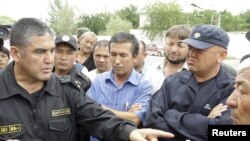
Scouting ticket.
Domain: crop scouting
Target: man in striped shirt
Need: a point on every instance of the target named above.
(123, 90)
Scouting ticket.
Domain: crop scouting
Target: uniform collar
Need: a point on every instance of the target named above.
(162, 65)
(9, 83)
(11, 87)
(133, 77)
(220, 80)
(52, 84)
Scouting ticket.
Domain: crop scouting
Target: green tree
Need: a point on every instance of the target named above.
(245, 18)
(193, 18)
(4, 20)
(229, 22)
(62, 17)
(96, 23)
(130, 14)
(116, 24)
(161, 16)
(201, 17)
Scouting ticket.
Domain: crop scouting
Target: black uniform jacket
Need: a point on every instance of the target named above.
(181, 106)
(59, 110)
(78, 79)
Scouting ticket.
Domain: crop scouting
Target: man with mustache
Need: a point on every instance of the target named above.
(175, 56)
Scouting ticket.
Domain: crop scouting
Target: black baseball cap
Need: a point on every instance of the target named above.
(248, 35)
(205, 36)
(67, 39)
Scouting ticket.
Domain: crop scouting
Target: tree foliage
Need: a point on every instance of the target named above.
(201, 17)
(4, 20)
(62, 17)
(96, 23)
(245, 18)
(161, 16)
(130, 14)
(116, 24)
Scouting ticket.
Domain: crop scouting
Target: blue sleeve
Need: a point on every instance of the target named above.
(142, 97)
(91, 91)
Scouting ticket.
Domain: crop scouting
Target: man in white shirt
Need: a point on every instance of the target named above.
(175, 56)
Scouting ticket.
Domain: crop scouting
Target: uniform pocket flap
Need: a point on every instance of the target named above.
(61, 124)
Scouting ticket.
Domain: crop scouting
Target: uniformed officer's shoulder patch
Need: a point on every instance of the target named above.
(64, 79)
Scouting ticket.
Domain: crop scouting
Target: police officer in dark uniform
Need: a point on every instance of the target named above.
(189, 101)
(65, 68)
(37, 106)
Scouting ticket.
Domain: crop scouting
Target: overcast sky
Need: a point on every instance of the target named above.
(38, 8)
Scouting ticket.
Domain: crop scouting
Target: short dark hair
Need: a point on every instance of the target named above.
(124, 37)
(24, 29)
(101, 43)
(5, 51)
(143, 45)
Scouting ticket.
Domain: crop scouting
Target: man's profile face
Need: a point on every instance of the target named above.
(203, 60)
(239, 100)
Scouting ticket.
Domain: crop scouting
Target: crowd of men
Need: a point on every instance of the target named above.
(63, 88)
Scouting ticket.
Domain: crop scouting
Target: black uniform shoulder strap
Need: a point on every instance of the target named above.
(83, 76)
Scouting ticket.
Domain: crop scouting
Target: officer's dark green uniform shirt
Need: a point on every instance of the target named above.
(58, 111)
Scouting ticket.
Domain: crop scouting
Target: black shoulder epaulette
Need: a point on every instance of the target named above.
(83, 81)
(83, 76)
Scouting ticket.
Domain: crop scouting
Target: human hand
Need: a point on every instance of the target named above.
(105, 107)
(148, 134)
(134, 108)
(12, 140)
(217, 110)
